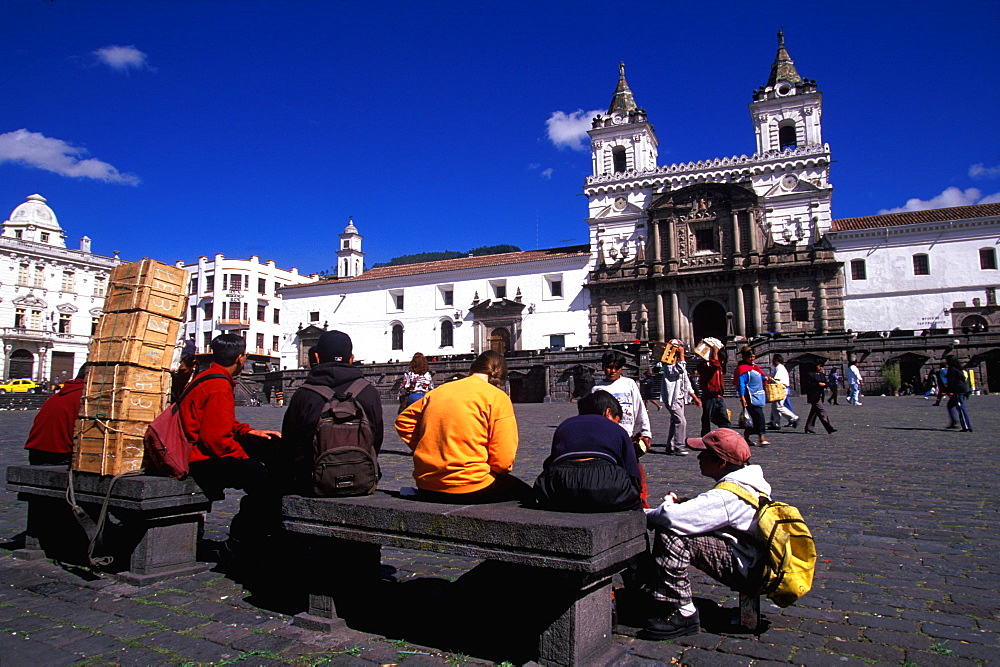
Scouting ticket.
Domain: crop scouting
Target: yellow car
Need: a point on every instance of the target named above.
(20, 387)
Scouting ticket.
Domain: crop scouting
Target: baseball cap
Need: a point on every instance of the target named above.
(725, 443)
(334, 346)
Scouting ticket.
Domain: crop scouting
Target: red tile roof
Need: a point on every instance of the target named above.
(457, 264)
(916, 217)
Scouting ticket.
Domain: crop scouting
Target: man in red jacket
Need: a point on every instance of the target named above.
(218, 458)
(50, 441)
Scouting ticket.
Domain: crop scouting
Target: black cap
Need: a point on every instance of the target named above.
(334, 346)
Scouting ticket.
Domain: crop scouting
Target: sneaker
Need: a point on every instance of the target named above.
(857, 404)
(679, 452)
(668, 627)
(794, 423)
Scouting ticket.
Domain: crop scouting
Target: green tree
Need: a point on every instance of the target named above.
(892, 377)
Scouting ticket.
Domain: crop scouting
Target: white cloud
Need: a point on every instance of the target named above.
(122, 58)
(951, 197)
(546, 174)
(982, 171)
(568, 130)
(36, 150)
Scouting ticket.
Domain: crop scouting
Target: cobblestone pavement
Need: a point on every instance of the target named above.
(905, 516)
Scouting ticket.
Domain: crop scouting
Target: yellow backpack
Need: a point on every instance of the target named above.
(789, 549)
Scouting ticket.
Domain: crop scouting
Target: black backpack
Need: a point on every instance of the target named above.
(344, 460)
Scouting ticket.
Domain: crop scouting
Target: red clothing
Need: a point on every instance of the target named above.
(52, 430)
(744, 367)
(710, 376)
(209, 416)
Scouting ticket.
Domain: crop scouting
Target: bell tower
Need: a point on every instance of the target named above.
(622, 140)
(350, 259)
(787, 110)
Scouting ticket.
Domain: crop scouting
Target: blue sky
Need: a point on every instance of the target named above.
(177, 129)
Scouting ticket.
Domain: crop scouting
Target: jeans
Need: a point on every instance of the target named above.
(958, 412)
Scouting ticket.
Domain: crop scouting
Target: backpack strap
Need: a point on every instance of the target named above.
(327, 392)
(742, 493)
(194, 383)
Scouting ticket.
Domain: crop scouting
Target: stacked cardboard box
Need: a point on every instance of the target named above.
(128, 383)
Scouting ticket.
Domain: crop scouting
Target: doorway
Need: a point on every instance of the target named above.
(62, 367)
(708, 319)
(500, 340)
(22, 364)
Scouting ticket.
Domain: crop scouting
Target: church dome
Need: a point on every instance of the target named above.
(36, 212)
(350, 228)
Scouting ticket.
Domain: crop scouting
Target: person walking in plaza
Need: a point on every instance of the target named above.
(958, 388)
(854, 384)
(647, 387)
(712, 384)
(750, 384)
(675, 392)
(815, 386)
(834, 386)
(417, 381)
(781, 408)
(714, 532)
(942, 382)
(464, 438)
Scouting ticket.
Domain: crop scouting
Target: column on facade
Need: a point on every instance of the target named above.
(548, 385)
(821, 308)
(751, 240)
(741, 318)
(655, 240)
(755, 307)
(43, 363)
(6, 359)
(602, 306)
(675, 314)
(736, 232)
(660, 319)
(773, 307)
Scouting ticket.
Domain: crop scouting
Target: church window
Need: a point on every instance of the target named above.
(624, 321)
(921, 265)
(314, 316)
(396, 300)
(858, 270)
(447, 333)
(800, 310)
(499, 289)
(554, 284)
(347, 244)
(557, 342)
(786, 137)
(448, 297)
(618, 156)
(705, 239)
(397, 336)
(987, 258)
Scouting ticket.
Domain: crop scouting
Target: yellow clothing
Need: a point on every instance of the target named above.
(460, 432)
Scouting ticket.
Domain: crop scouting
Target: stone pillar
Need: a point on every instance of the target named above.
(752, 240)
(736, 233)
(821, 314)
(741, 318)
(548, 385)
(6, 359)
(675, 315)
(654, 238)
(602, 307)
(773, 306)
(755, 305)
(660, 317)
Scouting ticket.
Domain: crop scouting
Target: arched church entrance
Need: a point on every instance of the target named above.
(500, 340)
(22, 364)
(708, 319)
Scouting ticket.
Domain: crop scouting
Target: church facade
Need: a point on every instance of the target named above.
(725, 247)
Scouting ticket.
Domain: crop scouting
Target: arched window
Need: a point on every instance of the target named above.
(447, 334)
(397, 336)
(786, 137)
(618, 155)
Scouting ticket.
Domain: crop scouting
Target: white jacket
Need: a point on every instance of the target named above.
(719, 512)
(635, 420)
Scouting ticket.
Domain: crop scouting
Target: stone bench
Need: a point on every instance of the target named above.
(575, 554)
(157, 520)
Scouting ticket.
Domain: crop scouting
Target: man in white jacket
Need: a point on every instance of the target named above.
(714, 531)
(784, 407)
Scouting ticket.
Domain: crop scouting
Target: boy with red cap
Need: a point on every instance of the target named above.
(714, 531)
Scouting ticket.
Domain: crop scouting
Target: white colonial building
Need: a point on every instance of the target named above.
(911, 270)
(50, 295)
(526, 300)
(240, 296)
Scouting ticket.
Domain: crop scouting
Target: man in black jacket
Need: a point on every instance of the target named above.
(814, 385)
(331, 361)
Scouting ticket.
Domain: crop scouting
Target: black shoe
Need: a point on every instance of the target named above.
(774, 427)
(793, 424)
(831, 430)
(809, 430)
(671, 626)
(966, 430)
(951, 426)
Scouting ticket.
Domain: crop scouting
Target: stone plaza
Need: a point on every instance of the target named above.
(904, 513)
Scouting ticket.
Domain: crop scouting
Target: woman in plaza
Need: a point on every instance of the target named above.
(464, 438)
(417, 381)
(750, 382)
